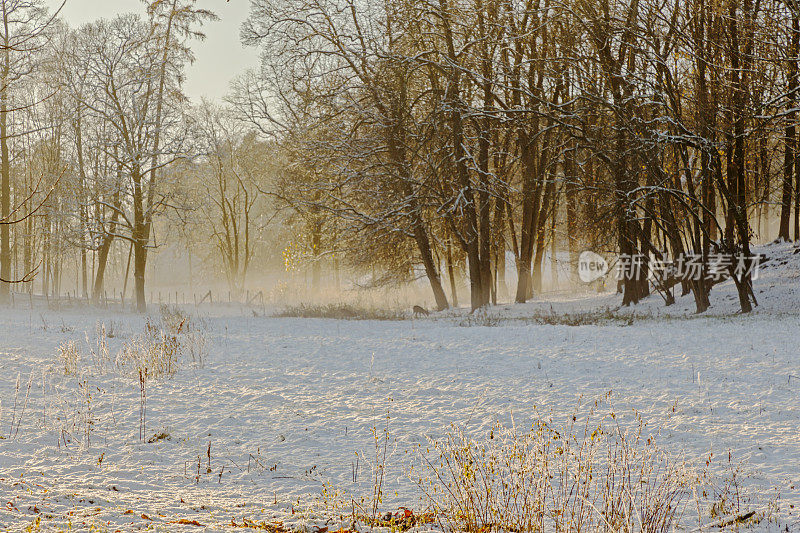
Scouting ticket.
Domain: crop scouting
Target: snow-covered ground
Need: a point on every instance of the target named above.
(286, 404)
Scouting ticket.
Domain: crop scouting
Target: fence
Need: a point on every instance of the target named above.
(115, 300)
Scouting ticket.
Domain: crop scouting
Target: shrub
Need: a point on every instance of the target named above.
(592, 478)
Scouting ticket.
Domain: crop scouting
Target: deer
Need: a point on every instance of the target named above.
(420, 311)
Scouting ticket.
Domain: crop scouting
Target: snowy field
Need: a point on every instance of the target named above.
(286, 404)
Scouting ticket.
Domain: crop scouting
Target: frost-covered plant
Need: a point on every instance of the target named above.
(173, 318)
(16, 422)
(589, 476)
(142, 402)
(190, 333)
(195, 344)
(68, 357)
(85, 409)
(729, 502)
(99, 347)
(155, 352)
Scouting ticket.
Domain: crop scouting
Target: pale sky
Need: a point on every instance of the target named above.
(218, 59)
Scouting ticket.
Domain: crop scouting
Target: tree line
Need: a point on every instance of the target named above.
(405, 138)
(104, 158)
(652, 128)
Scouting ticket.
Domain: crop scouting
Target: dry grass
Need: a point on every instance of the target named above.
(190, 332)
(174, 319)
(164, 346)
(594, 474)
(99, 349)
(588, 476)
(341, 311)
(156, 353)
(492, 318)
(160, 350)
(68, 356)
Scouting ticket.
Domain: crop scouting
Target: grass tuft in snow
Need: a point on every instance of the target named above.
(173, 318)
(488, 317)
(154, 353)
(341, 311)
(68, 356)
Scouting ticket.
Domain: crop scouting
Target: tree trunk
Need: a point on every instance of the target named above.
(484, 144)
(102, 260)
(140, 234)
(789, 136)
(316, 257)
(139, 264)
(452, 275)
(5, 176)
(571, 193)
(553, 251)
(501, 289)
(424, 246)
(531, 197)
(737, 170)
(471, 232)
